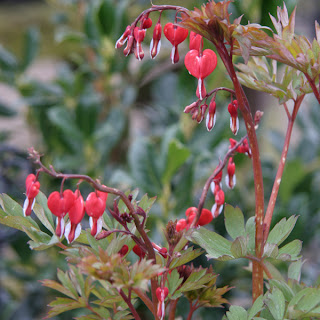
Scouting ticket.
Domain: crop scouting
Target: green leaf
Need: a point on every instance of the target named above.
(8, 61)
(284, 287)
(234, 221)
(60, 305)
(16, 222)
(173, 281)
(276, 303)
(239, 247)
(30, 50)
(42, 201)
(177, 156)
(290, 251)
(40, 213)
(106, 17)
(44, 244)
(271, 250)
(146, 203)
(251, 231)
(256, 307)
(294, 271)
(67, 283)
(185, 257)
(237, 313)
(69, 36)
(282, 230)
(215, 245)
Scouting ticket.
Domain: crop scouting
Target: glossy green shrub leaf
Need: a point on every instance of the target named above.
(31, 46)
(143, 166)
(216, 246)
(8, 61)
(234, 221)
(177, 156)
(106, 17)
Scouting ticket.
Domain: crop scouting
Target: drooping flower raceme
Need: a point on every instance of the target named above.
(32, 190)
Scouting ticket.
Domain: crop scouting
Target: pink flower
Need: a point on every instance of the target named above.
(200, 65)
(219, 202)
(175, 35)
(211, 115)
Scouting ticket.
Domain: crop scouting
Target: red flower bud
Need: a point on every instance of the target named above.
(122, 40)
(32, 190)
(146, 22)
(211, 115)
(181, 224)
(234, 120)
(231, 177)
(219, 202)
(155, 43)
(124, 250)
(196, 41)
(161, 293)
(138, 251)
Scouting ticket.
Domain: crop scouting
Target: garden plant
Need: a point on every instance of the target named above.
(114, 264)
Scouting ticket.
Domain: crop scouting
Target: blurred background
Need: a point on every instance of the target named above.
(65, 90)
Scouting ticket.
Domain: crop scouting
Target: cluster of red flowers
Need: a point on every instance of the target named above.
(200, 63)
(61, 203)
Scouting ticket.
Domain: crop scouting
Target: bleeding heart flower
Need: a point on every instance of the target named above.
(234, 120)
(196, 41)
(155, 43)
(216, 183)
(76, 214)
(231, 177)
(95, 206)
(211, 115)
(124, 250)
(146, 22)
(139, 35)
(163, 251)
(219, 202)
(181, 224)
(205, 217)
(161, 294)
(122, 40)
(59, 205)
(32, 190)
(175, 35)
(138, 251)
(200, 65)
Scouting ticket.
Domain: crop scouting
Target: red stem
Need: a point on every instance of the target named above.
(130, 305)
(276, 185)
(243, 104)
(313, 87)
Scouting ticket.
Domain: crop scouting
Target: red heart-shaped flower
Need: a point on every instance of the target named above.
(32, 186)
(95, 205)
(76, 212)
(175, 34)
(60, 205)
(162, 293)
(200, 66)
